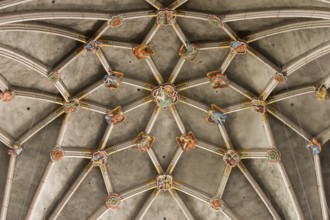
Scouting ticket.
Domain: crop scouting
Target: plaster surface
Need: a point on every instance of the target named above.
(198, 168)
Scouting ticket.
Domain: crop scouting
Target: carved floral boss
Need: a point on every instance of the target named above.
(7, 95)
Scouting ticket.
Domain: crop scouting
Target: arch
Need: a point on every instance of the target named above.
(287, 28)
(306, 58)
(45, 29)
(24, 58)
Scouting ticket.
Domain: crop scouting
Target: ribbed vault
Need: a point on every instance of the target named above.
(164, 110)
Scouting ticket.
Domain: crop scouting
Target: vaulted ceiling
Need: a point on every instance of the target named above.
(139, 109)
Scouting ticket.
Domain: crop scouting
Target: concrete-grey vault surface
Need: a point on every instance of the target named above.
(164, 110)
